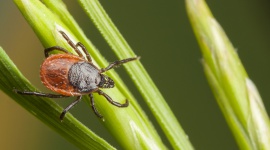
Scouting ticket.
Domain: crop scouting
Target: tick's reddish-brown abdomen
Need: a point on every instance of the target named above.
(54, 73)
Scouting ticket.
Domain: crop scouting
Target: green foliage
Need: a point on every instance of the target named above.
(235, 93)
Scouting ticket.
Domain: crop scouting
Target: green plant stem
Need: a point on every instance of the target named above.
(140, 77)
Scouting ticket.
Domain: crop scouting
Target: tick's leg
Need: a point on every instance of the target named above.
(48, 50)
(94, 107)
(69, 107)
(40, 94)
(111, 101)
(79, 44)
(71, 43)
(118, 63)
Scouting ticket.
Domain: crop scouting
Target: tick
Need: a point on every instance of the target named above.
(72, 75)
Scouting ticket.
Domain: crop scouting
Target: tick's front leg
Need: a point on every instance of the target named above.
(118, 63)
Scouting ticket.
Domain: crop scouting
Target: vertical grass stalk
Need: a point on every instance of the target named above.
(235, 93)
(140, 77)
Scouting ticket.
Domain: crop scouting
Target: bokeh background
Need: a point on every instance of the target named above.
(160, 32)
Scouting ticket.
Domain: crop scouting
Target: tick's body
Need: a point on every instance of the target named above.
(69, 75)
(72, 75)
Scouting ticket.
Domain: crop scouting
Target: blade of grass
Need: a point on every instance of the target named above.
(235, 93)
(129, 126)
(59, 8)
(45, 109)
(147, 88)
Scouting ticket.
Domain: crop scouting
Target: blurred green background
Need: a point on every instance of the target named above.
(160, 32)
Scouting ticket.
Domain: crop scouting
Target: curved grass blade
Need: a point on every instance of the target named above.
(45, 109)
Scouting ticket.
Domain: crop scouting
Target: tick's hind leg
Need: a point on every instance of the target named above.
(118, 63)
(94, 107)
(39, 94)
(111, 101)
(69, 107)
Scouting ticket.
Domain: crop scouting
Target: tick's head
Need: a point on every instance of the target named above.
(105, 82)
